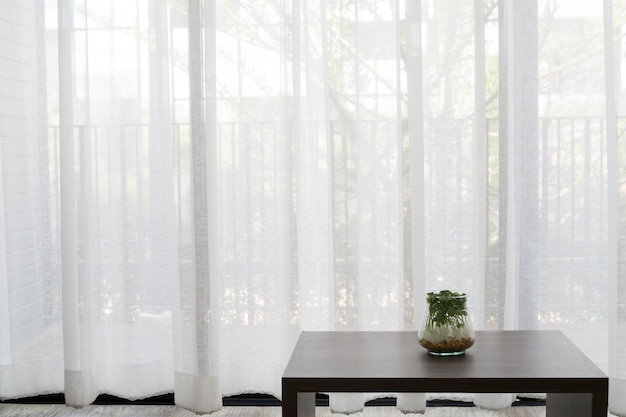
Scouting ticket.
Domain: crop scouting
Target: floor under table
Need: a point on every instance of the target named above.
(59, 410)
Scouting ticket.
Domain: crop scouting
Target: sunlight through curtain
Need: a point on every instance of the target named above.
(185, 185)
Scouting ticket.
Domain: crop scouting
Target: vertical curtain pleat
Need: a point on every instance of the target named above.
(518, 147)
(617, 359)
(198, 382)
(509, 139)
(480, 172)
(313, 169)
(525, 114)
(480, 167)
(5, 329)
(415, 248)
(80, 389)
(164, 177)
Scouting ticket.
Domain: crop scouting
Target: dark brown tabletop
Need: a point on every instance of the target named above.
(499, 361)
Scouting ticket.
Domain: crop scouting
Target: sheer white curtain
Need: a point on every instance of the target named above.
(185, 185)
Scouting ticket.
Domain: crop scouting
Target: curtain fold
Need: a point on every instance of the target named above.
(197, 383)
(75, 210)
(185, 185)
(616, 328)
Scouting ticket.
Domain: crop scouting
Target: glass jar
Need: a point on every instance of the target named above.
(447, 329)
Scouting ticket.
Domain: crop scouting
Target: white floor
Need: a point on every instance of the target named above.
(22, 410)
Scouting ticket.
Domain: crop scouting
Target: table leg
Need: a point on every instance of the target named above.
(306, 404)
(298, 404)
(576, 405)
(600, 404)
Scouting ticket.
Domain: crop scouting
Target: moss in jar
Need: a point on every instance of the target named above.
(446, 328)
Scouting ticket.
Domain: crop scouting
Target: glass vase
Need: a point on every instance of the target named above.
(447, 328)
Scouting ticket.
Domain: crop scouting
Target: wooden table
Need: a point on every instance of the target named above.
(394, 362)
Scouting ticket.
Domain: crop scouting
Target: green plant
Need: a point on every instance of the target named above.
(446, 308)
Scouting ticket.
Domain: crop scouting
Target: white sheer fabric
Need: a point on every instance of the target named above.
(185, 185)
